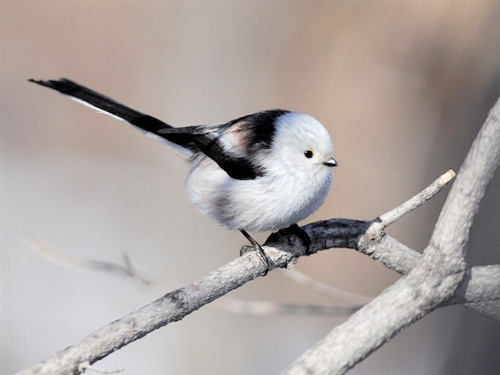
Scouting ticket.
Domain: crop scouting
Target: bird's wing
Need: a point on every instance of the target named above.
(149, 125)
(212, 140)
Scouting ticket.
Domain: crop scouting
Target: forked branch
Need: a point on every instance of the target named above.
(436, 278)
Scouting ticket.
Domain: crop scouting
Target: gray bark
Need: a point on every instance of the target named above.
(435, 279)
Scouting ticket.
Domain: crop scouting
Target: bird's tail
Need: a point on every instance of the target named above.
(148, 124)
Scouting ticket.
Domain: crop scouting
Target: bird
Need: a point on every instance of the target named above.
(265, 171)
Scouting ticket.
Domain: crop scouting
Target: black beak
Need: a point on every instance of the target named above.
(331, 163)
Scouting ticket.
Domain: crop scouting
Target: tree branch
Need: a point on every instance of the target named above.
(418, 200)
(282, 247)
(430, 283)
(261, 308)
(426, 285)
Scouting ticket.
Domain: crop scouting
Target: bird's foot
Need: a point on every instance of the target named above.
(258, 249)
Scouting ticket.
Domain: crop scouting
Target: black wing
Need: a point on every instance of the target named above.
(237, 145)
(210, 143)
(144, 122)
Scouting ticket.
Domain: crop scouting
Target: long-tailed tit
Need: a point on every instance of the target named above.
(261, 172)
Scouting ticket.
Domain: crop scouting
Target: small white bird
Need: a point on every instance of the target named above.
(261, 172)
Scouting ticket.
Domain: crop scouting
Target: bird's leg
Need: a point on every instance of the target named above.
(258, 249)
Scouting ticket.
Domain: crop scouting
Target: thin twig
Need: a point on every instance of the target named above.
(261, 308)
(419, 199)
(323, 288)
(86, 366)
(229, 304)
(67, 260)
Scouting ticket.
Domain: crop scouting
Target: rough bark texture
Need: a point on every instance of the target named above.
(437, 278)
(433, 281)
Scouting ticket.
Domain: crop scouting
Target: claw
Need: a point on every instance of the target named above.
(258, 249)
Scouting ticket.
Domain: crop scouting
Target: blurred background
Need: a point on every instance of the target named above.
(403, 88)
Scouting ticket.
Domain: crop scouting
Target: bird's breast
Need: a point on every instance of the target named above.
(269, 202)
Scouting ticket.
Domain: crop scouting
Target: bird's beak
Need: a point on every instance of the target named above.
(331, 163)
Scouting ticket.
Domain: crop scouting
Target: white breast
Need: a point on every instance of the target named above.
(258, 205)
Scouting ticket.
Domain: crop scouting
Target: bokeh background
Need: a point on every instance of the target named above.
(402, 87)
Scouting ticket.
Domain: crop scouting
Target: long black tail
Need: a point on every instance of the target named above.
(103, 103)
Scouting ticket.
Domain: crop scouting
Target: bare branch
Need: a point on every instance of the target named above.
(450, 236)
(177, 304)
(229, 304)
(325, 289)
(86, 366)
(419, 199)
(67, 260)
(431, 280)
(480, 291)
(268, 308)
(434, 278)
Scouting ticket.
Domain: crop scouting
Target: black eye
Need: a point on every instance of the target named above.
(309, 154)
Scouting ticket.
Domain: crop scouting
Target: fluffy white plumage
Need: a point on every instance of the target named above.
(292, 188)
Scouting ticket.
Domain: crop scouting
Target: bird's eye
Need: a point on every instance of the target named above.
(308, 154)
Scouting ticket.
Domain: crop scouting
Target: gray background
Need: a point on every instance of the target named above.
(401, 87)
